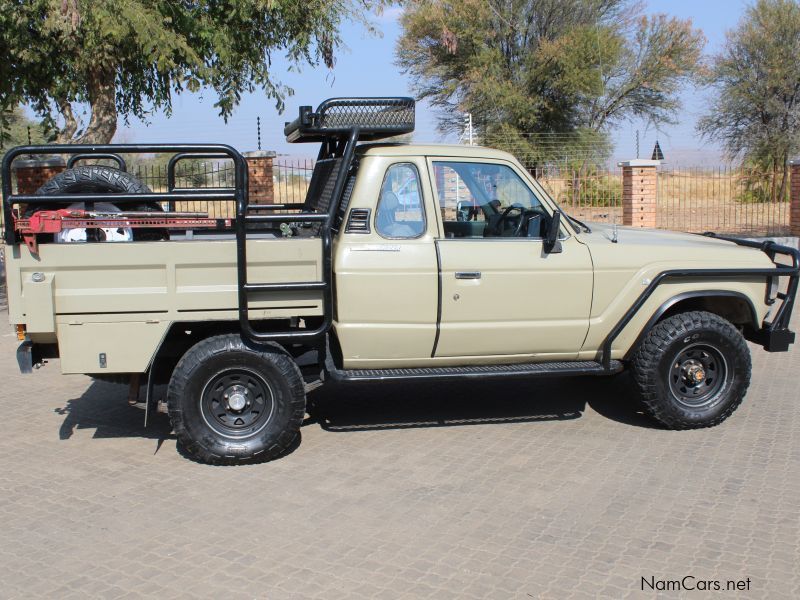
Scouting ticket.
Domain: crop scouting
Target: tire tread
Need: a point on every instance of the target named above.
(651, 350)
(214, 346)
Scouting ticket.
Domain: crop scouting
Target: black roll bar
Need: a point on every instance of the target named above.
(326, 285)
(104, 151)
(121, 164)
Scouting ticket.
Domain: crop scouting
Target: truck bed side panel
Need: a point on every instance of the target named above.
(141, 288)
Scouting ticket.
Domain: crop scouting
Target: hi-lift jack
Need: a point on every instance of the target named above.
(55, 221)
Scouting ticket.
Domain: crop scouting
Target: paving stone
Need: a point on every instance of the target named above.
(544, 489)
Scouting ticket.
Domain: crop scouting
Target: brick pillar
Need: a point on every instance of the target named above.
(639, 192)
(31, 174)
(259, 172)
(794, 206)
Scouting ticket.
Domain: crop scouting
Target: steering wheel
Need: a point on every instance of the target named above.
(505, 216)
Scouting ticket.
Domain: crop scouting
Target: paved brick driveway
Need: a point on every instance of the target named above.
(553, 490)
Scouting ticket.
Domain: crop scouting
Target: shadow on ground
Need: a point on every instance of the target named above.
(364, 407)
(104, 408)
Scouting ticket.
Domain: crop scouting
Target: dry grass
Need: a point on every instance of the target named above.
(688, 200)
(223, 209)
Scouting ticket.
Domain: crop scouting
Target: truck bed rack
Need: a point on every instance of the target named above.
(338, 123)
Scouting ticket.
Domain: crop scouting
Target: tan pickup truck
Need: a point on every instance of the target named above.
(404, 262)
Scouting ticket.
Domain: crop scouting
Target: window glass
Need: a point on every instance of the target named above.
(486, 200)
(400, 213)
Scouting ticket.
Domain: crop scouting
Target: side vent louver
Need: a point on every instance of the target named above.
(358, 221)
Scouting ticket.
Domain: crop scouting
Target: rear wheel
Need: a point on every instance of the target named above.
(692, 370)
(231, 402)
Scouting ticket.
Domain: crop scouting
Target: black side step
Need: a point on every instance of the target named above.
(548, 369)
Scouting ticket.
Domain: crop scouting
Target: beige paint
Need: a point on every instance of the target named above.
(386, 289)
(120, 299)
(510, 309)
(124, 285)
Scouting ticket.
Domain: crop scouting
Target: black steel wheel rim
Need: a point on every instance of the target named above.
(697, 376)
(237, 402)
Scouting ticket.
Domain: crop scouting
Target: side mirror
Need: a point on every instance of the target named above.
(551, 243)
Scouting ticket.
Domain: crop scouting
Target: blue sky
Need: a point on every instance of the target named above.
(366, 68)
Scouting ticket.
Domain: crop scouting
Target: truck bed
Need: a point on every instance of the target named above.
(100, 294)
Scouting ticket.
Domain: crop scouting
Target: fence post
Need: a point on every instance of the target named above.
(639, 192)
(259, 172)
(33, 173)
(794, 198)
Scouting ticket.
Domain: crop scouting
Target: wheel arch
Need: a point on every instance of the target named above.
(731, 305)
(182, 335)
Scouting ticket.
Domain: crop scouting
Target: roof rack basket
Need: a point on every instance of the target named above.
(374, 118)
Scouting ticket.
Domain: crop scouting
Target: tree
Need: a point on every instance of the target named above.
(128, 57)
(755, 110)
(18, 126)
(569, 67)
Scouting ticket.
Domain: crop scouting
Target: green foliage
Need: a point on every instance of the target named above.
(759, 182)
(755, 112)
(594, 187)
(16, 129)
(546, 66)
(131, 56)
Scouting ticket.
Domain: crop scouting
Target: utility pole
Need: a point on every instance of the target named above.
(468, 127)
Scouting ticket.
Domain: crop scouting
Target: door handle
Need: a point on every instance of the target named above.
(468, 274)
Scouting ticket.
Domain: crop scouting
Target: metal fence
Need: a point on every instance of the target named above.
(587, 193)
(192, 173)
(291, 179)
(731, 199)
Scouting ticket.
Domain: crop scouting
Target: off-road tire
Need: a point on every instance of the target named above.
(93, 178)
(101, 179)
(656, 372)
(197, 379)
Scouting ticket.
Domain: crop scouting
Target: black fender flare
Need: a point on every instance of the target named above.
(665, 306)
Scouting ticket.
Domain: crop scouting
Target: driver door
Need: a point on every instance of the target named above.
(501, 293)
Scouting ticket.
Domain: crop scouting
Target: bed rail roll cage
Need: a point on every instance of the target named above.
(338, 123)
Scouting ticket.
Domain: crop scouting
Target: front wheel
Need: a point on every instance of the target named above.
(231, 402)
(692, 370)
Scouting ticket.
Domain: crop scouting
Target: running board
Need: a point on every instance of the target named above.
(547, 369)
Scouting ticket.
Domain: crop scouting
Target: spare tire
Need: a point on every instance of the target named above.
(102, 179)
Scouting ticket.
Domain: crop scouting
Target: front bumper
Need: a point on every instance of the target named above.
(772, 340)
(775, 335)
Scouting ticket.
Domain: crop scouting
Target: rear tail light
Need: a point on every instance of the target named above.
(21, 333)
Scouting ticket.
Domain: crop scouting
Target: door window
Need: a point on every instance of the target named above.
(486, 200)
(400, 213)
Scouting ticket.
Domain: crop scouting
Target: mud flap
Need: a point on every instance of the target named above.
(25, 357)
(150, 402)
